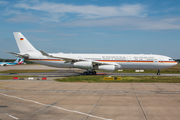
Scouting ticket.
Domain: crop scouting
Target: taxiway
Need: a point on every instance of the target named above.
(37, 100)
(48, 99)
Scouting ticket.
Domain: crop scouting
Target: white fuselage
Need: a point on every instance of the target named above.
(106, 62)
(126, 61)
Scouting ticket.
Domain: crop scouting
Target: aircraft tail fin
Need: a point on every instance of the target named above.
(17, 60)
(23, 44)
(21, 61)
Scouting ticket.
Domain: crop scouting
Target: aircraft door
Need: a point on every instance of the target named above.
(156, 63)
(161, 60)
(40, 57)
(128, 59)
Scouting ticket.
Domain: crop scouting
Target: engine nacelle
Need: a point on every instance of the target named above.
(3, 64)
(83, 64)
(109, 67)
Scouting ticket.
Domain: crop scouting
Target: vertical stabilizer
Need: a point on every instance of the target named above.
(23, 44)
(21, 61)
(17, 60)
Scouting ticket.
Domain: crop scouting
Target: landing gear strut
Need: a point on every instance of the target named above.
(158, 73)
(89, 73)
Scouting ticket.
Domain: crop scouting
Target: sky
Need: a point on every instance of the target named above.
(92, 26)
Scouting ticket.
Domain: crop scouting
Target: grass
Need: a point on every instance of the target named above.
(6, 77)
(26, 71)
(125, 79)
(175, 70)
(167, 71)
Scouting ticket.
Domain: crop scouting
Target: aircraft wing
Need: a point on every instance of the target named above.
(102, 63)
(19, 55)
(76, 60)
(64, 58)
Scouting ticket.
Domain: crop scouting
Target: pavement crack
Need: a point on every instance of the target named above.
(158, 87)
(97, 102)
(173, 98)
(139, 103)
(83, 86)
(40, 110)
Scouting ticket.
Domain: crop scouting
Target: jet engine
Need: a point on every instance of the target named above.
(3, 64)
(83, 65)
(109, 67)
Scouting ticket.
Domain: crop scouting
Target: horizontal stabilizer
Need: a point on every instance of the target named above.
(26, 56)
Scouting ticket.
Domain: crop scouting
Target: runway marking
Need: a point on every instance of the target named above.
(11, 116)
(53, 107)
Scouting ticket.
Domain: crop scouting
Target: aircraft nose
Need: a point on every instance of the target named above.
(175, 63)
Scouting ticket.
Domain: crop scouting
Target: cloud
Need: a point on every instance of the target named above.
(128, 23)
(12, 12)
(3, 3)
(67, 34)
(52, 18)
(38, 31)
(125, 16)
(24, 18)
(87, 11)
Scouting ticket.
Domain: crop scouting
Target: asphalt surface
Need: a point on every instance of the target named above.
(50, 100)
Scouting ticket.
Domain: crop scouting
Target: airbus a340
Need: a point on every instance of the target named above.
(91, 62)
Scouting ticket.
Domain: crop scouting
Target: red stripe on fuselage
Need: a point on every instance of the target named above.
(123, 61)
(46, 59)
(134, 61)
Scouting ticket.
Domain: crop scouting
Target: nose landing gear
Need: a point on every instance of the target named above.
(158, 73)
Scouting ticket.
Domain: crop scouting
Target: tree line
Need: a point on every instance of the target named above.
(12, 60)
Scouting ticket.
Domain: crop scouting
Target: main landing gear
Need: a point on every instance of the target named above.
(158, 73)
(89, 72)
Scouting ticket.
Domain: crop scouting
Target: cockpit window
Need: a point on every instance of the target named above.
(171, 60)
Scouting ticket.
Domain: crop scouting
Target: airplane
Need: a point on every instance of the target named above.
(9, 63)
(21, 62)
(91, 62)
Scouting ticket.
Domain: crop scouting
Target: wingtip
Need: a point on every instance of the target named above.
(44, 53)
(7, 52)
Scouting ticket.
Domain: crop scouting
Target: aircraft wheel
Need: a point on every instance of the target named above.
(94, 72)
(85, 73)
(158, 73)
(90, 73)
